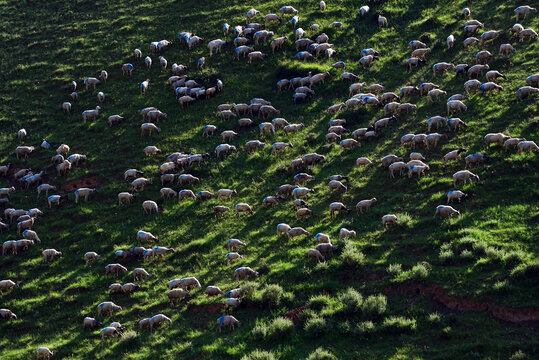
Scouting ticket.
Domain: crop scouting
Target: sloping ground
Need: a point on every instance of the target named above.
(486, 255)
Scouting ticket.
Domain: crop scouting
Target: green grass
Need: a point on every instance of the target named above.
(49, 44)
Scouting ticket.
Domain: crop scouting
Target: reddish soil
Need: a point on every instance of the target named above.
(295, 313)
(209, 308)
(438, 294)
(91, 181)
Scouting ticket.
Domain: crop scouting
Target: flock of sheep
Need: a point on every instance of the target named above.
(188, 90)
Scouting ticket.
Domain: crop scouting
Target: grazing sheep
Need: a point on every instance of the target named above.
(454, 195)
(432, 140)
(532, 80)
(227, 320)
(243, 207)
(244, 273)
(524, 146)
(382, 20)
(464, 176)
(415, 44)
(90, 256)
(365, 205)
(6, 285)
(416, 169)
(224, 149)
(450, 41)
(490, 35)
(326, 248)
(445, 210)
(496, 138)
(476, 70)
(302, 212)
(44, 353)
(232, 256)
(389, 219)
(345, 233)
(523, 11)
(284, 229)
(125, 197)
(512, 142)
(297, 231)
(366, 61)
(474, 159)
(506, 49)
(313, 253)
(23, 151)
(90, 322)
(470, 41)
(442, 67)
(139, 274)
(395, 167)
(389, 159)
(527, 33)
(158, 319)
(525, 91)
(214, 291)
(421, 53)
(177, 294)
(455, 106)
(149, 207)
(435, 94)
(338, 207)
(7, 314)
(253, 145)
(235, 244)
(115, 268)
(453, 155)
(150, 128)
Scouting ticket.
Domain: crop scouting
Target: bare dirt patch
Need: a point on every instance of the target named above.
(295, 313)
(209, 308)
(90, 181)
(438, 294)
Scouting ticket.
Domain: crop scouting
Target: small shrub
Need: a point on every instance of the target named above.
(344, 327)
(321, 354)
(434, 318)
(394, 269)
(502, 287)
(494, 254)
(522, 271)
(446, 332)
(519, 355)
(318, 302)
(364, 328)
(248, 289)
(259, 332)
(259, 355)
(322, 267)
(399, 324)
(306, 315)
(480, 247)
(405, 220)
(264, 267)
(271, 294)
(280, 327)
(466, 254)
(129, 337)
(351, 300)
(351, 256)
(446, 256)
(315, 327)
(374, 305)
(419, 272)
(514, 258)
(445, 247)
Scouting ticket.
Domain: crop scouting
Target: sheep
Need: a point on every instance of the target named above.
(477, 158)
(116, 268)
(66, 107)
(253, 145)
(527, 33)
(160, 251)
(186, 194)
(435, 120)
(6, 285)
(271, 200)
(91, 114)
(405, 108)
(524, 146)
(345, 233)
(442, 67)
(416, 169)
(420, 53)
(469, 41)
(414, 62)
(455, 106)
(244, 273)
(363, 161)
(243, 207)
(313, 158)
(415, 44)
(279, 147)
(44, 353)
(336, 185)
(302, 178)
(90, 256)
(455, 194)
(56, 199)
(435, 94)
(391, 107)
(228, 135)
(433, 139)
(366, 61)
(450, 41)
(302, 212)
(300, 192)
(490, 36)
(506, 49)
(76, 158)
(150, 128)
(235, 244)
(532, 80)
(525, 91)
(149, 206)
(255, 55)
(155, 115)
(177, 294)
(83, 192)
(227, 320)
(25, 224)
(7, 314)
(226, 193)
(476, 70)
(382, 20)
(453, 155)
(498, 138)
(524, 10)
(389, 159)
(214, 291)
(445, 210)
(472, 85)
(232, 256)
(91, 81)
(296, 231)
(31, 235)
(50, 254)
(384, 122)
(389, 219)
(313, 253)
(90, 322)
(75, 96)
(474, 29)
(194, 40)
(338, 207)
(326, 248)
(157, 320)
(224, 149)
(23, 150)
(464, 175)
(397, 166)
(512, 142)
(365, 205)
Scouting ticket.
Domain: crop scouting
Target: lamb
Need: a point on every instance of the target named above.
(150, 128)
(389, 219)
(454, 195)
(497, 138)
(326, 248)
(524, 146)
(464, 176)
(91, 81)
(453, 155)
(337, 207)
(382, 20)
(243, 207)
(365, 205)
(227, 320)
(177, 294)
(523, 11)
(23, 151)
(297, 231)
(232, 256)
(525, 91)
(7, 314)
(90, 256)
(235, 244)
(316, 254)
(44, 353)
(445, 210)
(244, 273)
(345, 233)
(158, 319)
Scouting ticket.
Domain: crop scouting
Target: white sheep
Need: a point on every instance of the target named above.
(227, 320)
(177, 294)
(149, 206)
(90, 256)
(50, 254)
(90, 114)
(389, 219)
(445, 210)
(244, 272)
(524, 146)
(464, 176)
(523, 11)
(125, 197)
(316, 254)
(6, 285)
(139, 274)
(455, 195)
(44, 353)
(214, 291)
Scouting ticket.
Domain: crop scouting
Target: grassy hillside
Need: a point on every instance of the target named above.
(485, 259)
